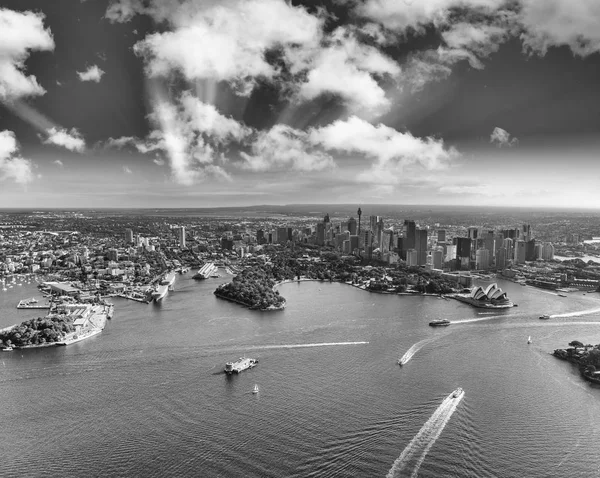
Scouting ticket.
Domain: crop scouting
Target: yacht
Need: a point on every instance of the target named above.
(529, 339)
(255, 390)
(544, 317)
(457, 392)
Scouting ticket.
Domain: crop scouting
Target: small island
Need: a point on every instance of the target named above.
(587, 357)
(252, 288)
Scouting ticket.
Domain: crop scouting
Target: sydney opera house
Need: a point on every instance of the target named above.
(492, 297)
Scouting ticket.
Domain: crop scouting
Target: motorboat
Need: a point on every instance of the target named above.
(544, 317)
(255, 390)
(457, 392)
(529, 339)
(439, 323)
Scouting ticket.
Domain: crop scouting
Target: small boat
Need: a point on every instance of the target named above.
(544, 317)
(7, 349)
(439, 323)
(255, 390)
(529, 339)
(561, 295)
(457, 392)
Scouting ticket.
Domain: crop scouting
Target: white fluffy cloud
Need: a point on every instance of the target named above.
(12, 165)
(573, 23)
(58, 162)
(93, 73)
(283, 147)
(191, 133)
(347, 68)
(227, 41)
(69, 139)
(20, 33)
(127, 169)
(391, 150)
(501, 138)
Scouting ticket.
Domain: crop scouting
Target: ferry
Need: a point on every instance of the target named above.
(160, 292)
(544, 317)
(206, 271)
(561, 294)
(79, 337)
(240, 365)
(439, 323)
(168, 279)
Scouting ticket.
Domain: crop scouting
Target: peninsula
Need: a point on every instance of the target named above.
(587, 357)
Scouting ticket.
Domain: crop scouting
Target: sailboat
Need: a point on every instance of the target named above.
(255, 390)
(529, 339)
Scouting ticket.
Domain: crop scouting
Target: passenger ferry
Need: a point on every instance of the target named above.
(240, 365)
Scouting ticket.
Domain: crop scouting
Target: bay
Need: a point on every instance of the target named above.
(147, 397)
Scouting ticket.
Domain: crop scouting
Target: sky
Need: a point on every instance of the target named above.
(207, 103)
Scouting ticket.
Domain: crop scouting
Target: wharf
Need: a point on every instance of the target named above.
(26, 304)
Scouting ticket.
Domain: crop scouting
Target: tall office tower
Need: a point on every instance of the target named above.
(520, 250)
(421, 246)
(359, 212)
(539, 249)
(526, 232)
(482, 259)
(508, 244)
(410, 229)
(489, 243)
(373, 220)
(128, 236)
(353, 243)
(352, 226)
(387, 241)
(441, 236)
(463, 252)
(270, 237)
(181, 236)
(501, 258)
(472, 232)
(547, 251)
(379, 230)
(498, 241)
(450, 252)
(326, 218)
(411, 257)
(260, 236)
(282, 235)
(530, 250)
(320, 234)
(367, 237)
(346, 246)
(438, 258)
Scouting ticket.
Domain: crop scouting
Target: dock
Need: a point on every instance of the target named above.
(27, 304)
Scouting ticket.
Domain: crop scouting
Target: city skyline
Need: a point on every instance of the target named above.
(188, 104)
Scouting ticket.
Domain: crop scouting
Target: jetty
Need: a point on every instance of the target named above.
(31, 304)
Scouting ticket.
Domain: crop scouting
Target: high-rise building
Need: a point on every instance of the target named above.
(482, 259)
(260, 236)
(128, 236)
(508, 244)
(547, 252)
(352, 226)
(411, 257)
(472, 232)
(320, 234)
(386, 241)
(441, 235)
(526, 233)
(113, 255)
(421, 246)
(410, 229)
(520, 251)
(438, 258)
(530, 250)
(450, 252)
(538, 251)
(501, 258)
(181, 236)
(353, 243)
(463, 252)
(326, 218)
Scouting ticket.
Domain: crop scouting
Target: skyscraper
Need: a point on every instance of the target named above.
(181, 236)
(463, 252)
(520, 251)
(129, 236)
(482, 259)
(501, 258)
(409, 234)
(441, 235)
(421, 246)
(320, 234)
(472, 233)
(352, 226)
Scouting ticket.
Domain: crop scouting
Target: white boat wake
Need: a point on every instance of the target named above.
(414, 349)
(576, 314)
(479, 319)
(411, 459)
(297, 346)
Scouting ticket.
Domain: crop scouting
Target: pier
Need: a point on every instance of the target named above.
(28, 304)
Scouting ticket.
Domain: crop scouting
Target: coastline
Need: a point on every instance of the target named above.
(248, 306)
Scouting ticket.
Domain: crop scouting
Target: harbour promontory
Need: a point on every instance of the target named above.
(587, 357)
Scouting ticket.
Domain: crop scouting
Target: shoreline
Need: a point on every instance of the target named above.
(248, 306)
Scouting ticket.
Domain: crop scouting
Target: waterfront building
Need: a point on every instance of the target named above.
(410, 232)
(547, 251)
(538, 251)
(508, 244)
(489, 243)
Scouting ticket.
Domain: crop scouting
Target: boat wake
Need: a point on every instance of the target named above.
(479, 319)
(411, 459)
(414, 349)
(298, 346)
(576, 314)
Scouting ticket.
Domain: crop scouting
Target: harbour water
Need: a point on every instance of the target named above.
(147, 396)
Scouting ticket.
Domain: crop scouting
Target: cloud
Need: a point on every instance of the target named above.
(159, 161)
(392, 150)
(20, 33)
(573, 23)
(283, 147)
(193, 135)
(232, 39)
(58, 162)
(69, 139)
(12, 165)
(93, 73)
(358, 64)
(121, 142)
(501, 138)
(127, 170)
